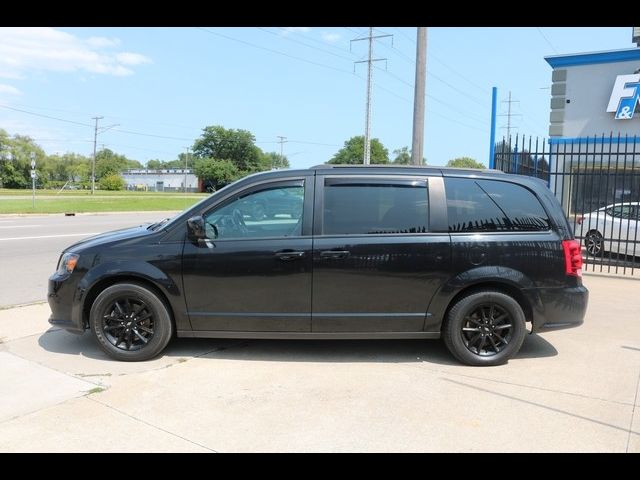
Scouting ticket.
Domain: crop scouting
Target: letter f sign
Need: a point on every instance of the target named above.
(625, 96)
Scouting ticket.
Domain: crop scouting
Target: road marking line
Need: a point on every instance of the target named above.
(19, 226)
(50, 236)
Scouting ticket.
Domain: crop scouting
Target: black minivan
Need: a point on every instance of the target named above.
(355, 252)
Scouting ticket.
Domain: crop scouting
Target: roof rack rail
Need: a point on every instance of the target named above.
(328, 166)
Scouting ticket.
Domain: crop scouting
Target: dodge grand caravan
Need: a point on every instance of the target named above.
(475, 257)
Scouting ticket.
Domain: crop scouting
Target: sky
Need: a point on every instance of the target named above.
(158, 87)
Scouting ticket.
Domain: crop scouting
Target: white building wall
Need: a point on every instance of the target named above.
(160, 180)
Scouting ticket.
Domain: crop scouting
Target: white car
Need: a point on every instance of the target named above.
(613, 228)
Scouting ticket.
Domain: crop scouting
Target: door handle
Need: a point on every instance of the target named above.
(335, 254)
(289, 255)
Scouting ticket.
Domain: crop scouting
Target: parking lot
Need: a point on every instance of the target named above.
(573, 390)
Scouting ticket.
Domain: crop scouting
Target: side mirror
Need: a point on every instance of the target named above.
(195, 228)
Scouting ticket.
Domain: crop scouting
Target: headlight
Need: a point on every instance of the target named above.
(67, 263)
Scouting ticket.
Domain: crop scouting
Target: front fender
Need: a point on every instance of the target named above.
(132, 269)
(469, 278)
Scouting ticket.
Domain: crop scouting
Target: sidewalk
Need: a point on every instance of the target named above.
(572, 390)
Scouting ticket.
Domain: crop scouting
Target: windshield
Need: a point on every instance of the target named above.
(170, 221)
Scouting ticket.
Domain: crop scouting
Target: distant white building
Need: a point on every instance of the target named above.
(165, 180)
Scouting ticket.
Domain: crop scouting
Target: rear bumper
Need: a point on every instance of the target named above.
(558, 308)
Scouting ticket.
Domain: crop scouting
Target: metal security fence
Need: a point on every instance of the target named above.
(597, 181)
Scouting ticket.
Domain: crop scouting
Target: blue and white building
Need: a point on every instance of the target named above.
(595, 114)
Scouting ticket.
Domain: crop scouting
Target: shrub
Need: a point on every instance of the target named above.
(112, 182)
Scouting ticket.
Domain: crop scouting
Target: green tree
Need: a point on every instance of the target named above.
(353, 152)
(109, 163)
(403, 156)
(465, 162)
(15, 160)
(112, 181)
(216, 173)
(155, 164)
(236, 146)
(275, 160)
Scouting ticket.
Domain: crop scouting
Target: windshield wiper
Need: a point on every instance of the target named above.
(155, 226)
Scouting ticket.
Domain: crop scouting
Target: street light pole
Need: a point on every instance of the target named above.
(93, 163)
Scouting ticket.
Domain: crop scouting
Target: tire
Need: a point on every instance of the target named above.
(131, 339)
(497, 343)
(594, 243)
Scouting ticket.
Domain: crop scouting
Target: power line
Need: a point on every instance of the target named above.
(130, 132)
(405, 35)
(547, 40)
(461, 92)
(352, 30)
(465, 78)
(311, 39)
(305, 44)
(435, 99)
(46, 116)
(115, 117)
(153, 135)
(440, 79)
(453, 120)
(139, 133)
(277, 52)
(440, 61)
(313, 143)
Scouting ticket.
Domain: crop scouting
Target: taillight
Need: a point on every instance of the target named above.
(572, 257)
(580, 219)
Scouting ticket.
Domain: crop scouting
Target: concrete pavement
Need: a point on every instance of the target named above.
(572, 390)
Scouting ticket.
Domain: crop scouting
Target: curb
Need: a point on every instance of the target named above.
(19, 305)
(62, 214)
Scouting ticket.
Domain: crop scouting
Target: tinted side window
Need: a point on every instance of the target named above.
(523, 209)
(623, 211)
(361, 208)
(270, 212)
(489, 205)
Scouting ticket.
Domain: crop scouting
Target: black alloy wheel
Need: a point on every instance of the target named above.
(131, 322)
(129, 325)
(484, 327)
(487, 330)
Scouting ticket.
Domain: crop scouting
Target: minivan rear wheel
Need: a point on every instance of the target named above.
(484, 328)
(130, 322)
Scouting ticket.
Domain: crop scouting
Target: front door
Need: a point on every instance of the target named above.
(376, 262)
(253, 272)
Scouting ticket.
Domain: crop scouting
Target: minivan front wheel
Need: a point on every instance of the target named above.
(130, 322)
(485, 328)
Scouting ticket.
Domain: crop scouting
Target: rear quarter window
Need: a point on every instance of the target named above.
(475, 205)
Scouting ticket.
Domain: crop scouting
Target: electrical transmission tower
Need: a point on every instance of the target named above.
(367, 129)
(282, 141)
(509, 115)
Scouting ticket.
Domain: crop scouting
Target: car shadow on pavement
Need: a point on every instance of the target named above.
(382, 351)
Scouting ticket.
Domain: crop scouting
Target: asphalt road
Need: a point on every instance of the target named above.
(30, 247)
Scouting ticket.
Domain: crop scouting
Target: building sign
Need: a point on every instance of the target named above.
(625, 96)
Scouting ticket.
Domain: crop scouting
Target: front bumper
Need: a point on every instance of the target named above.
(559, 308)
(65, 304)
